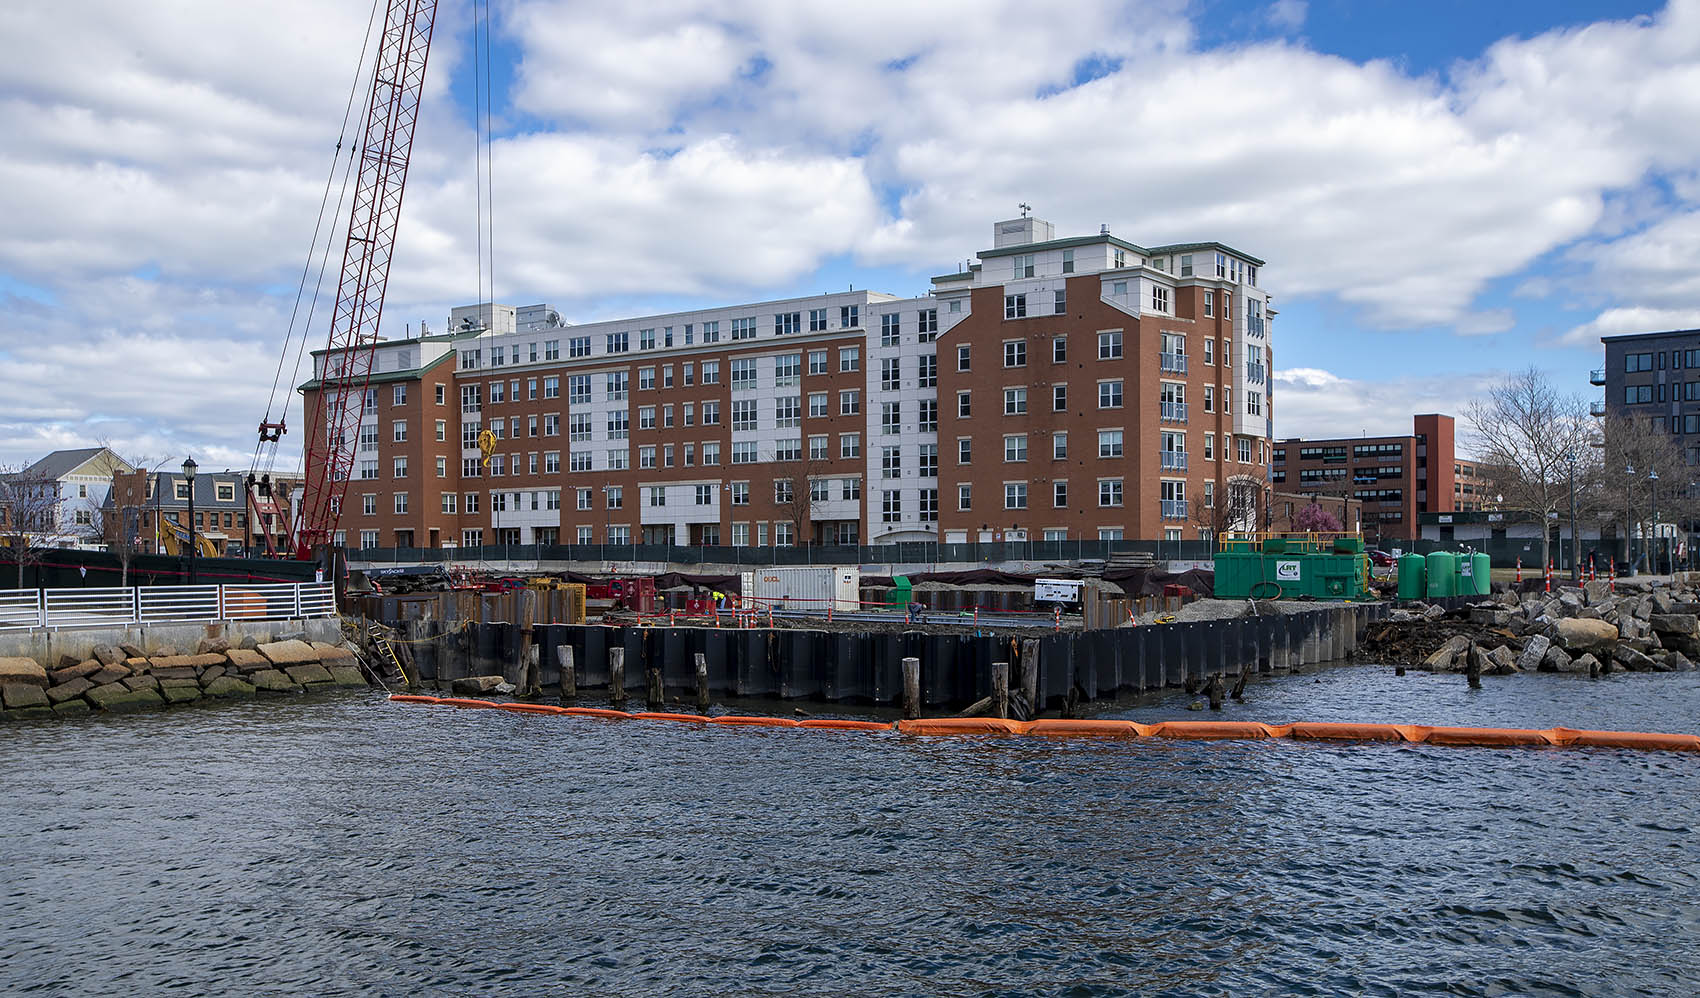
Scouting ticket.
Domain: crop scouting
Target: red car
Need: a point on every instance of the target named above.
(1380, 559)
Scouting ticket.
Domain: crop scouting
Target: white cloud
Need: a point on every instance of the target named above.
(1287, 15)
(1633, 319)
(1312, 402)
(1496, 320)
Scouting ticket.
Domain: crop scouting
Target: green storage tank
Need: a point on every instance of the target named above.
(1484, 573)
(1442, 574)
(1411, 576)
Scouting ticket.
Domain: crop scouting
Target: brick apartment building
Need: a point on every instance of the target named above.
(1395, 477)
(1077, 388)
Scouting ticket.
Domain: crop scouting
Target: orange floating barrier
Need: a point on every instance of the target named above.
(1486, 736)
(1062, 728)
(597, 712)
(1213, 729)
(1644, 740)
(962, 726)
(1196, 730)
(529, 708)
(661, 716)
(755, 722)
(838, 724)
(1335, 731)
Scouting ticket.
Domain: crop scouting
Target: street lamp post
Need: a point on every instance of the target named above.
(189, 468)
(1575, 545)
(1653, 499)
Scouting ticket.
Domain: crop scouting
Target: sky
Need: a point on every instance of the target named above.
(1443, 192)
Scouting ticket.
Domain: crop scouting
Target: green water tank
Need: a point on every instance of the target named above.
(1411, 576)
(1484, 573)
(1442, 574)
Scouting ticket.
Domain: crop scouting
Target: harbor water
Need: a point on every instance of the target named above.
(347, 845)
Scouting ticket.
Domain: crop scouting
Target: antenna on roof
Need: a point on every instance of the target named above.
(1104, 229)
(1025, 208)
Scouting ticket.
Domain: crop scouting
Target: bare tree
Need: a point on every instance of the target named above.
(1641, 477)
(29, 517)
(798, 496)
(1533, 433)
(1240, 507)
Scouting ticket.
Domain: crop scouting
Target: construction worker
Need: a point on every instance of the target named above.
(719, 599)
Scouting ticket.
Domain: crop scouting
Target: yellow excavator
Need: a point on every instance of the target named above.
(174, 540)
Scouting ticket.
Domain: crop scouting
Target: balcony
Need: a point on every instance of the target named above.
(1173, 412)
(1173, 509)
(1596, 408)
(1174, 460)
(1597, 377)
(1173, 362)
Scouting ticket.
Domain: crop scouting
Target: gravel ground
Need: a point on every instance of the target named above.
(1230, 609)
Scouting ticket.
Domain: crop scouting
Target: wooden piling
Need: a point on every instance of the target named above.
(911, 688)
(1030, 673)
(1000, 689)
(1214, 692)
(657, 693)
(617, 675)
(569, 676)
(702, 681)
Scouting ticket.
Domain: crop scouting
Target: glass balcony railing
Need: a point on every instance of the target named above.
(1174, 362)
(1596, 408)
(1174, 412)
(1173, 509)
(1174, 460)
(1597, 377)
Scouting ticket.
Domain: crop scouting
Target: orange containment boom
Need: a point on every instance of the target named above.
(1415, 734)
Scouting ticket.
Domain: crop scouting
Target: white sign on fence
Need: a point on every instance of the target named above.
(1287, 571)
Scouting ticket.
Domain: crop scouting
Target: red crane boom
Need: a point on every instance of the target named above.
(345, 373)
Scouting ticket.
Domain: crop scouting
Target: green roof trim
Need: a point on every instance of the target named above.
(1224, 247)
(1061, 244)
(388, 376)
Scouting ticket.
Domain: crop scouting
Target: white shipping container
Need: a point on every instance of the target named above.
(806, 588)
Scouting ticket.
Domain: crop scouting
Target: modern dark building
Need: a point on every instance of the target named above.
(1656, 376)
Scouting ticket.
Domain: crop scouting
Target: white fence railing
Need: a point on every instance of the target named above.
(25, 608)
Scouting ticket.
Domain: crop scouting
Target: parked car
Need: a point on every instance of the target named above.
(1380, 559)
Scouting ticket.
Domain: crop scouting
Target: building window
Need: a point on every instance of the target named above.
(1110, 492)
(849, 445)
(1059, 349)
(818, 408)
(1015, 495)
(1059, 495)
(1014, 448)
(817, 321)
(705, 495)
(1061, 306)
(964, 404)
(1109, 345)
(1110, 394)
(1023, 266)
(964, 450)
(928, 319)
(889, 330)
(1059, 398)
(849, 402)
(1109, 443)
(401, 502)
(1015, 401)
(891, 462)
(1015, 353)
(962, 357)
(744, 329)
(786, 323)
(929, 372)
(1159, 298)
(1015, 306)
(1068, 261)
(889, 373)
(965, 497)
(849, 359)
(891, 506)
(817, 362)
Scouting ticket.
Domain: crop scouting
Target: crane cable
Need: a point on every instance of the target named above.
(263, 455)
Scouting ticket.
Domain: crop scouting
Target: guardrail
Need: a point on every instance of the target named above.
(112, 607)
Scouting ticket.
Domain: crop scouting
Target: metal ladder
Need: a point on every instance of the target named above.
(386, 650)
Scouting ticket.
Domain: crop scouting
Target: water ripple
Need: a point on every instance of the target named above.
(349, 846)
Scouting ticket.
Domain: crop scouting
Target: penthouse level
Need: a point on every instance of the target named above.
(1057, 389)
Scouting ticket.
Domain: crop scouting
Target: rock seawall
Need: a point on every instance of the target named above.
(120, 678)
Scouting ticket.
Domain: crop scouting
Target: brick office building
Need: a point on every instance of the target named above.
(1395, 477)
(1059, 389)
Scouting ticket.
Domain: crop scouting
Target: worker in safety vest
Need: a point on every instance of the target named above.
(719, 600)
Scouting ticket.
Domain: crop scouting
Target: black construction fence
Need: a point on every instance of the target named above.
(913, 552)
(867, 668)
(68, 568)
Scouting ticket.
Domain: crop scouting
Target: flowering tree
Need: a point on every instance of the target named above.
(1313, 519)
